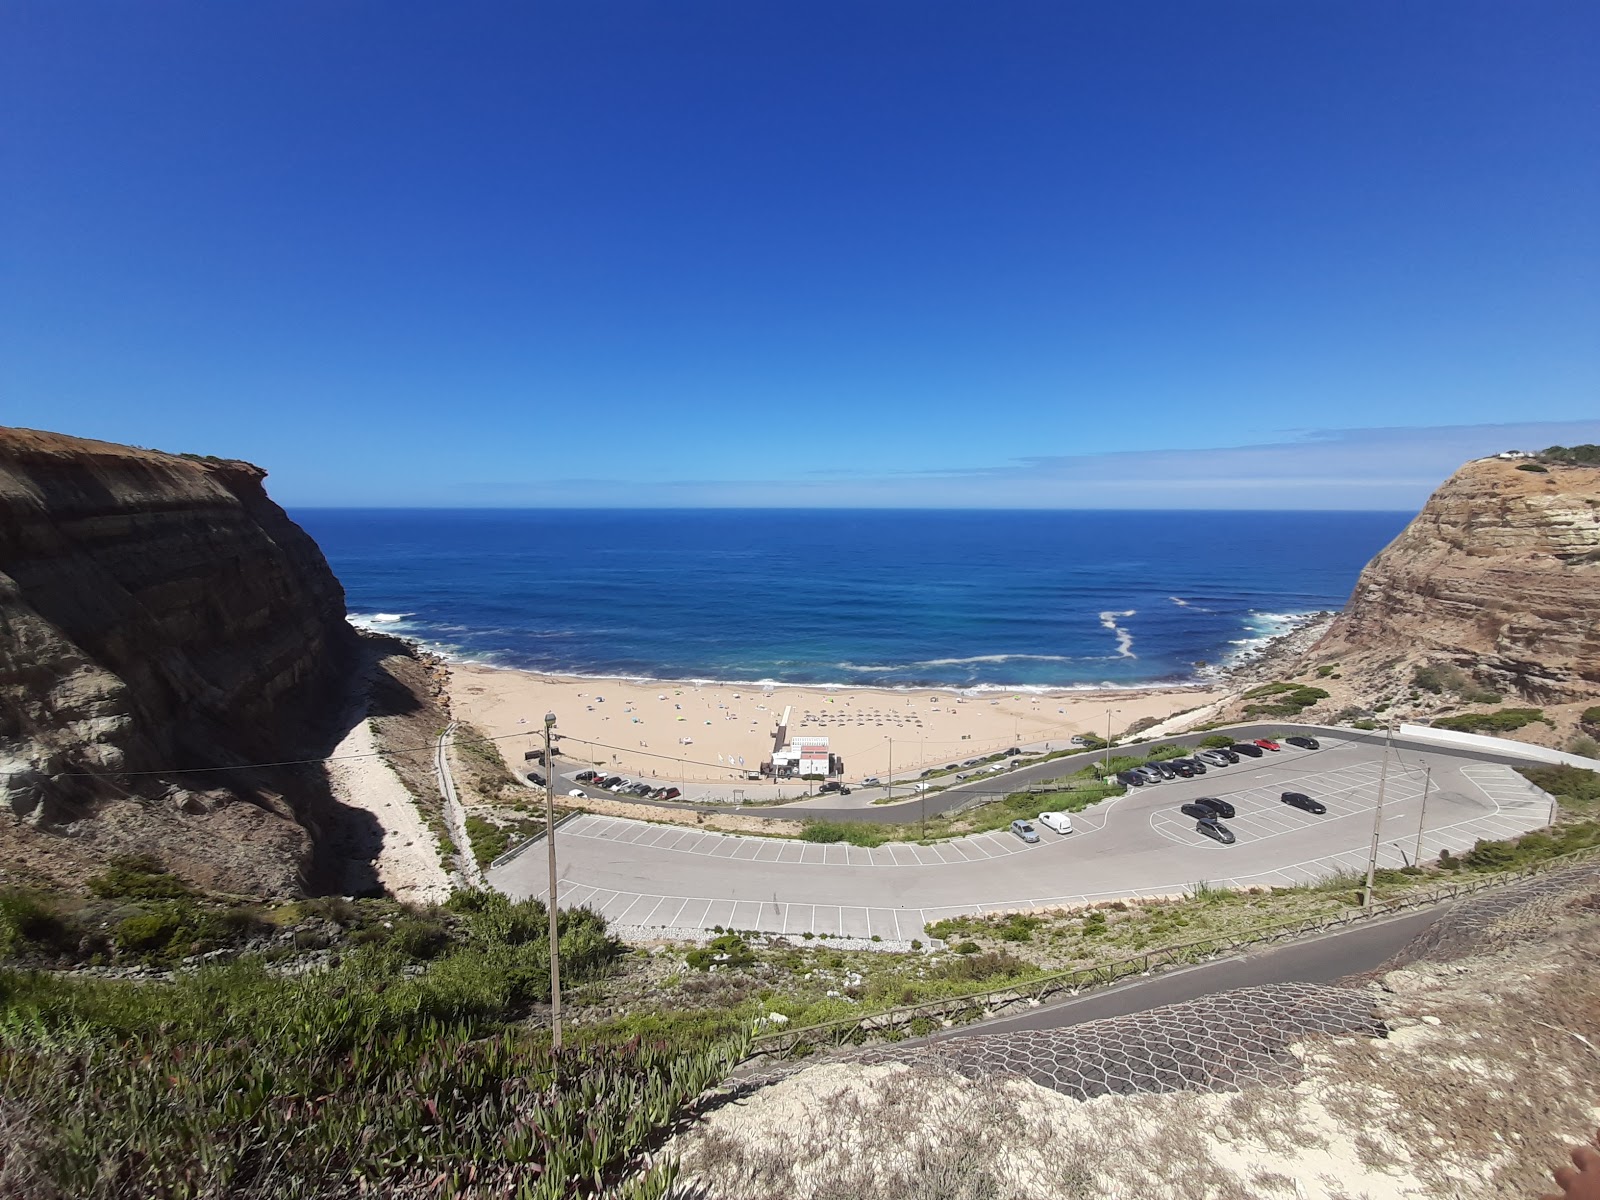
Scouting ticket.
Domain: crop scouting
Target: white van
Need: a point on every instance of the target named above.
(1059, 822)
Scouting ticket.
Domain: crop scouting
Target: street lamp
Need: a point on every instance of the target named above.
(1106, 769)
(1427, 779)
(550, 848)
(1377, 816)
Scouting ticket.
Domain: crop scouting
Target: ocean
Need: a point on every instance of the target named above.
(964, 599)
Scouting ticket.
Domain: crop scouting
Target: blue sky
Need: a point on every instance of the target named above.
(1118, 254)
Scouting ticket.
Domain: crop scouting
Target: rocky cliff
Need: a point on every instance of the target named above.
(1497, 577)
(161, 622)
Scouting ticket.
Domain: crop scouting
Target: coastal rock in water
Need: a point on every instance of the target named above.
(1498, 575)
(160, 617)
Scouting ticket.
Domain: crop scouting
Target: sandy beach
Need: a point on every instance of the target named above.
(721, 733)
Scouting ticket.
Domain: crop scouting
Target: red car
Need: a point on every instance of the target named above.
(1268, 744)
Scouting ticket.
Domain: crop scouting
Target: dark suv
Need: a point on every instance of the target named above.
(1247, 748)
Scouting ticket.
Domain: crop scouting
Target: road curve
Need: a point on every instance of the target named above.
(1317, 960)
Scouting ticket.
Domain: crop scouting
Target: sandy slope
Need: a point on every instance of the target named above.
(404, 851)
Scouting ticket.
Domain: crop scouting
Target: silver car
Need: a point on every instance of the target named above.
(1025, 831)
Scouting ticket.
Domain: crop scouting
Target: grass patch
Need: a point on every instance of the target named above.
(403, 1068)
(1505, 720)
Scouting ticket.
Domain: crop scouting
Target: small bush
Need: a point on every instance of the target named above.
(1535, 467)
(1591, 716)
(1216, 741)
(1504, 720)
(138, 877)
(980, 968)
(728, 950)
(853, 832)
(30, 922)
(148, 934)
(1018, 927)
(965, 948)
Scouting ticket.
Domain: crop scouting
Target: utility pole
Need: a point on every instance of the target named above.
(550, 847)
(1106, 769)
(888, 778)
(1377, 817)
(1427, 780)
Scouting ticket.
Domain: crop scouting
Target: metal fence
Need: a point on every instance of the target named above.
(995, 1001)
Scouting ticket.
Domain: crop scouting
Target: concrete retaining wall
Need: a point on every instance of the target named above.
(1494, 745)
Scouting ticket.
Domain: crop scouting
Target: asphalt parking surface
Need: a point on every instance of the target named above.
(644, 874)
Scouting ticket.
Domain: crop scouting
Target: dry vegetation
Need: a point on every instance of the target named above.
(1491, 1068)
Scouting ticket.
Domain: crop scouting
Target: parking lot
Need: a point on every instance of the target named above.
(643, 874)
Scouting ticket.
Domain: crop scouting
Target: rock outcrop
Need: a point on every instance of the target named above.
(1497, 576)
(162, 622)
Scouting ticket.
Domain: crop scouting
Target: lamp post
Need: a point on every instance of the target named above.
(1106, 768)
(888, 778)
(550, 848)
(1427, 779)
(1377, 817)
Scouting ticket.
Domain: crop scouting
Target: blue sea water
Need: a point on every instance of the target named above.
(887, 598)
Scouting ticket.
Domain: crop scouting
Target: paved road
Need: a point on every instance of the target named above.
(859, 806)
(1319, 960)
(638, 873)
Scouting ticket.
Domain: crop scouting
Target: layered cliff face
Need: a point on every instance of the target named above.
(1498, 576)
(160, 617)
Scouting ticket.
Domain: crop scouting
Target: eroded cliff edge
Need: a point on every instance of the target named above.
(161, 617)
(1498, 575)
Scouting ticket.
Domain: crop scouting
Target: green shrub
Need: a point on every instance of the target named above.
(730, 948)
(965, 948)
(1017, 927)
(1504, 720)
(148, 933)
(1325, 670)
(1216, 741)
(1586, 454)
(854, 832)
(1568, 784)
(1591, 716)
(1533, 467)
(1584, 746)
(138, 877)
(28, 921)
(981, 968)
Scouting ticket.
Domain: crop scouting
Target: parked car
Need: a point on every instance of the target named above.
(925, 774)
(1012, 750)
(1268, 744)
(1215, 758)
(1215, 829)
(971, 762)
(1025, 831)
(670, 793)
(874, 781)
(1182, 767)
(1229, 753)
(1220, 808)
(586, 776)
(1165, 769)
(996, 767)
(844, 789)
(1060, 822)
(1130, 779)
(1304, 802)
(578, 794)
(1247, 748)
(1079, 740)
(1198, 812)
(833, 785)
(535, 778)
(1149, 773)
(610, 782)
(1305, 743)
(641, 789)
(1194, 764)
